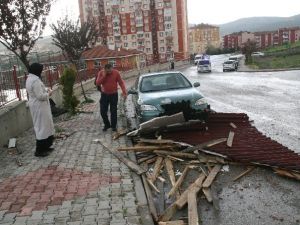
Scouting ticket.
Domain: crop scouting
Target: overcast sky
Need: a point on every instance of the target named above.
(201, 11)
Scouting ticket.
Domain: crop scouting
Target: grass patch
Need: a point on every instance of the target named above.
(59, 129)
(277, 62)
(282, 47)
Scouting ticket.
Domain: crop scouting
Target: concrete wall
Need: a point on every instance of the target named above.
(15, 118)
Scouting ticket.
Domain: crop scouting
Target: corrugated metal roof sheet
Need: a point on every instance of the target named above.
(249, 145)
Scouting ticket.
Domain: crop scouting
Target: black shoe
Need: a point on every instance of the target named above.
(41, 154)
(114, 129)
(105, 128)
(50, 149)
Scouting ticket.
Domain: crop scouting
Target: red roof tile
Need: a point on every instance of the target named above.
(104, 52)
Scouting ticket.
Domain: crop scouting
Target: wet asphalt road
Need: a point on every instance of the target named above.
(271, 99)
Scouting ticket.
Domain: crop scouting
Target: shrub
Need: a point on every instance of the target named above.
(67, 80)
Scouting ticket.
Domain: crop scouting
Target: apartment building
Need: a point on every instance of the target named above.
(159, 28)
(263, 39)
(203, 35)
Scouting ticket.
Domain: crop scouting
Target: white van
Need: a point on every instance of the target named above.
(204, 65)
(197, 58)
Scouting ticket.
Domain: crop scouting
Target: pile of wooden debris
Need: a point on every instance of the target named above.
(160, 161)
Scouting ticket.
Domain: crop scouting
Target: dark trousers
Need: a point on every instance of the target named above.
(110, 100)
(44, 144)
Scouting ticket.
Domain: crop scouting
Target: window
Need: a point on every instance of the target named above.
(161, 34)
(107, 3)
(168, 26)
(148, 43)
(148, 49)
(162, 41)
(145, 6)
(147, 28)
(112, 62)
(133, 44)
(159, 12)
(125, 38)
(122, 9)
(145, 13)
(126, 45)
(108, 10)
(97, 63)
(162, 49)
(132, 29)
(147, 35)
(160, 4)
(132, 37)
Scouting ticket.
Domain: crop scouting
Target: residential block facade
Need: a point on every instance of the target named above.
(263, 39)
(202, 36)
(159, 28)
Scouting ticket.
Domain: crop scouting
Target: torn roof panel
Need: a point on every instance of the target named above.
(249, 145)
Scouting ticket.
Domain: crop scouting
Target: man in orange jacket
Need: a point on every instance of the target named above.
(108, 79)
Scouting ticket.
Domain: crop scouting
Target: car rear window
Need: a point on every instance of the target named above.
(204, 62)
(228, 62)
(164, 82)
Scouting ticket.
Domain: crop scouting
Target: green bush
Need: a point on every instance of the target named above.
(67, 80)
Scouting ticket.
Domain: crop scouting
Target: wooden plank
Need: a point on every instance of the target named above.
(168, 213)
(156, 141)
(207, 193)
(230, 139)
(144, 159)
(134, 167)
(196, 186)
(233, 125)
(205, 145)
(175, 158)
(176, 154)
(212, 176)
(119, 134)
(150, 161)
(175, 222)
(244, 173)
(178, 182)
(192, 208)
(287, 173)
(157, 167)
(150, 199)
(152, 185)
(170, 171)
(144, 148)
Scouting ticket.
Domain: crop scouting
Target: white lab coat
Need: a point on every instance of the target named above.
(39, 107)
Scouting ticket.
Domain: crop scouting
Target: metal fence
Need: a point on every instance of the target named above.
(12, 82)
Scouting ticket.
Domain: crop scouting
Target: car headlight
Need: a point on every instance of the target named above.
(201, 101)
(148, 108)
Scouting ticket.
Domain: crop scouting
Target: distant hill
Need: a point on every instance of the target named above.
(42, 45)
(254, 24)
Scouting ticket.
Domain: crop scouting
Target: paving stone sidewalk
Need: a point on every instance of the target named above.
(79, 183)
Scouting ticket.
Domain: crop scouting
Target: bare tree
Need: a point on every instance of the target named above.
(73, 39)
(248, 48)
(21, 24)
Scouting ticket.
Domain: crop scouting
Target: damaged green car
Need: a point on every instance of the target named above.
(167, 93)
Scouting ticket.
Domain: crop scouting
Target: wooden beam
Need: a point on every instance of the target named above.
(144, 159)
(152, 185)
(124, 159)
(212, 176)
(207, 193)
(176, 154)
(178, 182)
(170, 171)
(150, 199)
(157, 167)
(196, 186)
(205, 145)
(175, 222)
(145, 148)
(168, 213)
(155, 141)
(175, 158)
(233, 125)
(150, 161)
(119, 134)
(192, 208)
(244, 173)
(230, 139)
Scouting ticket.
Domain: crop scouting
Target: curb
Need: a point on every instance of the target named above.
(268, 70)
(142, 202)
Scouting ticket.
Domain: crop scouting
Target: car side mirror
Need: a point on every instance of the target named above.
(196, 84)
(132, 92)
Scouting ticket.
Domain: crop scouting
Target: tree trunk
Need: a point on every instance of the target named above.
(81, 85)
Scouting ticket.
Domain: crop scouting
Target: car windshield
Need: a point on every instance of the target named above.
(198, 57)
(204, 62)
(164, 82)
(233, 58)
(228, 62)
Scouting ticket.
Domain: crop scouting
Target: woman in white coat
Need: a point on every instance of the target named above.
(40, 110)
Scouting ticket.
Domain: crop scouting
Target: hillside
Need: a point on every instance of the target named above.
(43, 45)
(254, 24)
